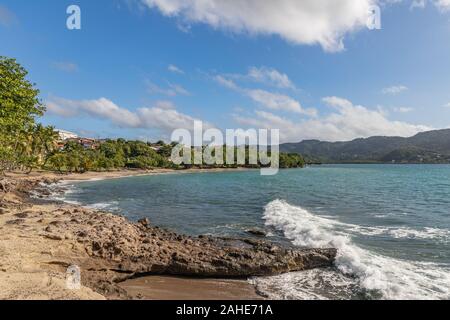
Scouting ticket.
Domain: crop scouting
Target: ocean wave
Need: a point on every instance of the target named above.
(374, 274)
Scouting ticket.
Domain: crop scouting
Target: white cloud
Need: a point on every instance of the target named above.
(447, 105)
(346, 122)
(66, 66)
(175, 69)
(273, 101)
(163, 104)
(418, 4)
(394, 90)
(277, 101)
(308, 22)
(442, 5)
(271, 76)
(265, 75)
(172, 90)
(162, 116)
(230, 84)
(403, 109)
(61, 107)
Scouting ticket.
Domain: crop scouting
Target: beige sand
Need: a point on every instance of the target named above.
(32, 266)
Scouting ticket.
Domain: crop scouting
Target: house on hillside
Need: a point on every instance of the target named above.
(66, 135)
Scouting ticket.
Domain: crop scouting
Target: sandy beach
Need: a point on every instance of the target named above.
(94, 175)
(39, 240)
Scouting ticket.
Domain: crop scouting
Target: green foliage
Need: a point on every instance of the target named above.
(22, 142)
(112, 154)
(58, 161)
(291, 160)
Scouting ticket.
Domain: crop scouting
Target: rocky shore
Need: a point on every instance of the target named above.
(41, 238)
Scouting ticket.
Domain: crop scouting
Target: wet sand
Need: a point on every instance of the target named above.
(179, 288)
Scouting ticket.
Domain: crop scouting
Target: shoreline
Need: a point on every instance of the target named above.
(115, 174)
(124, 260)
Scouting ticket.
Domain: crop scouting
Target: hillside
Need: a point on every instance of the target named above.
(425, 147)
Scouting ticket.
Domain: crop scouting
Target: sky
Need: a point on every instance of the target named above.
(140, 69)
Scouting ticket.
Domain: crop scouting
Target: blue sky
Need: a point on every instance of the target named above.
(142, 68)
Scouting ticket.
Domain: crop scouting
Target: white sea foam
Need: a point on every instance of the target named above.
(442, 235)
(112, 205)
(59, 192)
(389, 277)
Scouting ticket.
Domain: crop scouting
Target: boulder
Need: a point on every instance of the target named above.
(257, 232)
(144, 222)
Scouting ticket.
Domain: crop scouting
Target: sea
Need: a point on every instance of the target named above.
(390, 223)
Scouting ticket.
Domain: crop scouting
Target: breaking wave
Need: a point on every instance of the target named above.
(359, 272)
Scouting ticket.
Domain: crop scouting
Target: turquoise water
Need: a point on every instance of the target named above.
(391, 223)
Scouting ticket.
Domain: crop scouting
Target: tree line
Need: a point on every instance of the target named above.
(26, 144)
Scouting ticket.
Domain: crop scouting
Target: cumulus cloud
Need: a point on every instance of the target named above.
(394, 90)
(271, 76)
(277, 101)
(266, 99)
(346, 122)
(403, 109)
(163, 104)
(418, 4)
(175, 69)
(443, 5)
(172, 90)
(307, 22)
(264, 75)
(162, 116)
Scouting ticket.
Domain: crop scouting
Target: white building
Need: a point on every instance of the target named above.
(64, 135)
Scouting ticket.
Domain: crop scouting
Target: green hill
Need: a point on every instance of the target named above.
(425, 147)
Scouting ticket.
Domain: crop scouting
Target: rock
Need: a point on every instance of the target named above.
(82, 234)
(21, 215)
(53, 237)
(3, 211)
(257, 232)
(145, 222)
(16, 221)
(68, 236)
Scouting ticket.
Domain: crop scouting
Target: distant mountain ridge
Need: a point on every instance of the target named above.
(424, 147)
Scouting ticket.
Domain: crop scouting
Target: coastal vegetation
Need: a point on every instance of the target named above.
(26, 144)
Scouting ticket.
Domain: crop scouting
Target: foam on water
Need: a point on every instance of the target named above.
(375, 275)
(112, 206)
(61, 191)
